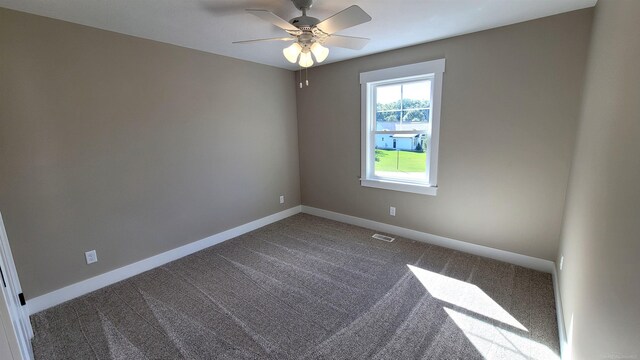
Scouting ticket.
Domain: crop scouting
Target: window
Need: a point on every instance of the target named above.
(400, 125)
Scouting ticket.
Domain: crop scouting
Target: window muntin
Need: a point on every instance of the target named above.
(400, 114)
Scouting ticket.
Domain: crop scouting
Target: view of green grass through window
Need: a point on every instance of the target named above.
(405, 161)
(401, 164)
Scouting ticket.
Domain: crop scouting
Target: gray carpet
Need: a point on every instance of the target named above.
(311, 288)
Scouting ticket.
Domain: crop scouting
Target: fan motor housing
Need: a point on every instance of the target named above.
(304, 23)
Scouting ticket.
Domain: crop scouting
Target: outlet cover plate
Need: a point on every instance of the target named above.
(91, 256)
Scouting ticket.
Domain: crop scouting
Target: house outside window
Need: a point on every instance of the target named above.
(400, 127)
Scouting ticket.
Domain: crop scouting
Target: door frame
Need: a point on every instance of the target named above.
(19, 331)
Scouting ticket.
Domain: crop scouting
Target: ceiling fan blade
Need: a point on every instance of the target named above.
(270, 39)
(348, 42)
(273, 18)
(351, 16)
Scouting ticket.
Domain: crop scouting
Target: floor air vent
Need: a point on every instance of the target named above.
(383, 237)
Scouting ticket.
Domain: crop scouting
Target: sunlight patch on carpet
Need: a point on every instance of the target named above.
(464, 295)
(495, 342)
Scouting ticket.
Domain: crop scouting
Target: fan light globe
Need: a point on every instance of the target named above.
(319, 51)
(305, 59)
(292, 52)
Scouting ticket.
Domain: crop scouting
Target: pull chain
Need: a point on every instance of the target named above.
(306, 77)
(300, 77)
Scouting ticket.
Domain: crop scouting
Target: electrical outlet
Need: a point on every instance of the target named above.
(91, 256)
(561, 261)
(392, 211)
(281, 199)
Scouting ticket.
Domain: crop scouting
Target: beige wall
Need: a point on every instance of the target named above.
(509, 112)
(131, 147)
(599, 282)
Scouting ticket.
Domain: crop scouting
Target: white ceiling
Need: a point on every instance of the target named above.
(211, 25)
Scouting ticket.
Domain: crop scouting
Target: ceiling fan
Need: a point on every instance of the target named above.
(309, 34)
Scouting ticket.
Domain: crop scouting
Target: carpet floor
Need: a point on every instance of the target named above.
(311, 288)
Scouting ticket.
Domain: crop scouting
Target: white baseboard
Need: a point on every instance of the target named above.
(86, 286)
(502, 255)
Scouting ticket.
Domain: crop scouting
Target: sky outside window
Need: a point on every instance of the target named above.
(419, 90)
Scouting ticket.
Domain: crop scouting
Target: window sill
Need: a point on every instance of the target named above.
(400, 186)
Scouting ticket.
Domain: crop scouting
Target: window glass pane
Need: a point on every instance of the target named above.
(388, 97)
(416, 115)
(416, 101)
(388, 116)
(401, 156)
(416, 94)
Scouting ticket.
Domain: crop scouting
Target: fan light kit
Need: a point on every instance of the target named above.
(310, 35)
(292, 52)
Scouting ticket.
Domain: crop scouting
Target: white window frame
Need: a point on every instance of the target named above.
(432, 70)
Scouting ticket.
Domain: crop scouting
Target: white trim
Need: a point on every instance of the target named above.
(393, 132)
(86, 286)
(432, 70)
(480, 250)
(364, 133)
(404, 71)
(13, 316)
(400, 186)
(562, 333)
(434, 135)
